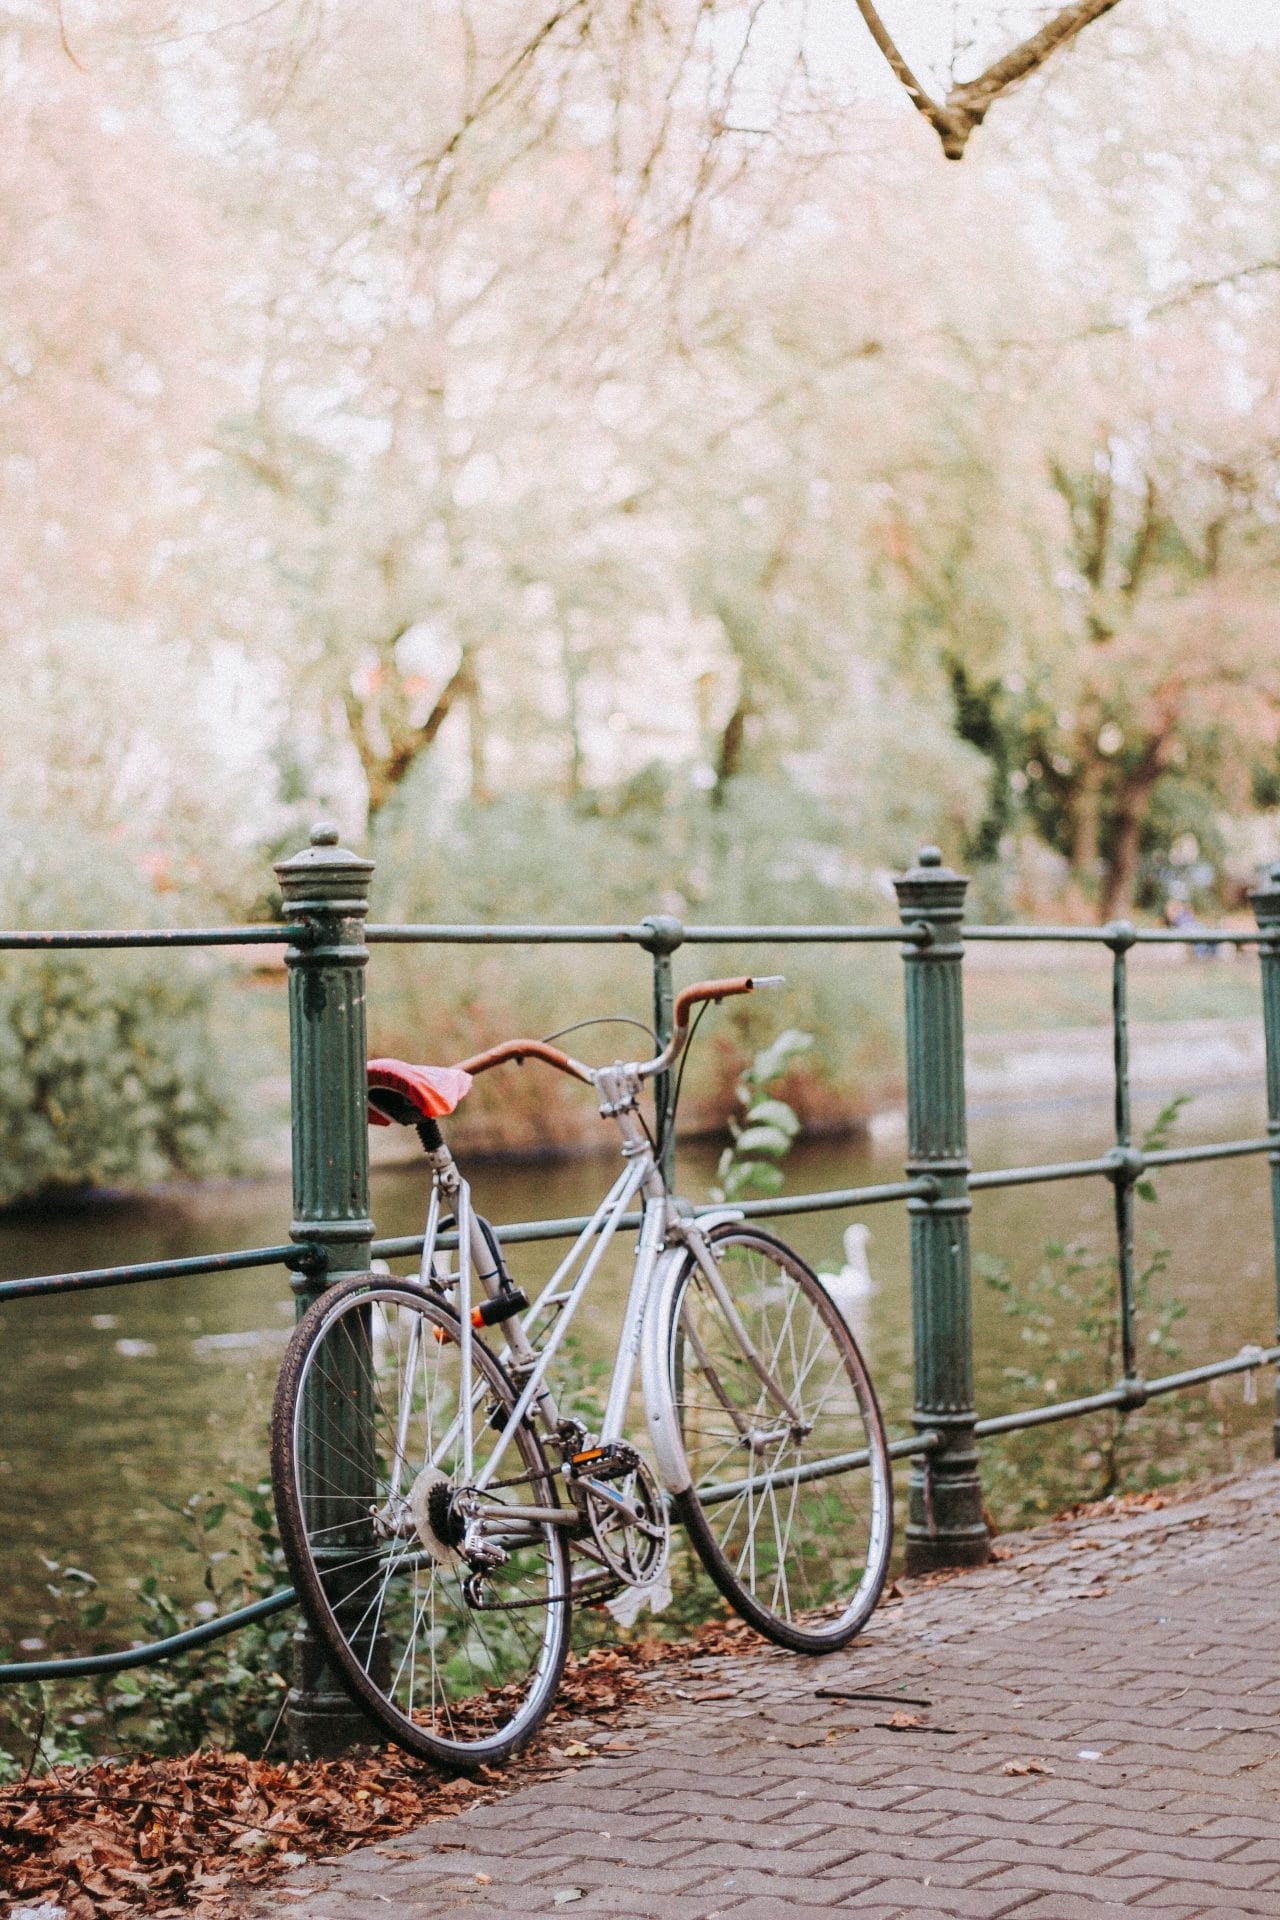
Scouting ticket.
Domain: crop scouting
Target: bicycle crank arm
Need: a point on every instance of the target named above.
(522, 1519)
(626, 1508)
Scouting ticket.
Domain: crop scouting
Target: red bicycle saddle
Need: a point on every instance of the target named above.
(408, 1094)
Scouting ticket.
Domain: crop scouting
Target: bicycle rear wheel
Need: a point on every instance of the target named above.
(366, 1454)
(791, 1503)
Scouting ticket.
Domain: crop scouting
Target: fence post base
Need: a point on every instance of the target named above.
(946, 1526)
(322, 1722)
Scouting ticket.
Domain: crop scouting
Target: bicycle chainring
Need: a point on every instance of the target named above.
(634, 1549)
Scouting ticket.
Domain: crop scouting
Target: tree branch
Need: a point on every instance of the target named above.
(927, 105)
(386, 768)
(975, 96)
(966, 105)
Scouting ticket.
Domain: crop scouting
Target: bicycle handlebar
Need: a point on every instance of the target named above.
(526, 1050)
(687, 997)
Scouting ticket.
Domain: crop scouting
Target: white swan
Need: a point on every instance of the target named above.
(854, 1283)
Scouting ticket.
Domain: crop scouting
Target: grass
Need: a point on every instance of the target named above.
(1071, 987)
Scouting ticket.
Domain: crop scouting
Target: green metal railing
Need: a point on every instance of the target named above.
(327, 939)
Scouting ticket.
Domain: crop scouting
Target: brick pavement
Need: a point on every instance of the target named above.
(1102, 1738)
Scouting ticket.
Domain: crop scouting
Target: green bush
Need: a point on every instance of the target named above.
(1067, 1313)
(112, 1069)
(229, 1693)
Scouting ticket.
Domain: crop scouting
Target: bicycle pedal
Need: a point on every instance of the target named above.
(611, 1462)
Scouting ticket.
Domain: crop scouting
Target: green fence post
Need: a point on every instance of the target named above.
(945, 1524)
(1266, 907)
(665, 935)
(328, 888)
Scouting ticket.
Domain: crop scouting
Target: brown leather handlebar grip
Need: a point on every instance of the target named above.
(708, 990)
(520, 1050)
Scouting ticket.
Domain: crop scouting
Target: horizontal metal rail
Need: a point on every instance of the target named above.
(1122, 934)
(405, 1245)
(523, 1232)
(619, 934)
(1032, 1176)
(1215, 1150)
(1118, 934)
(92, 1278)
(428, 935)
(256, 936)
(1113, 1164)
(1131, 1394)
(87, 1666)
(914, 1445)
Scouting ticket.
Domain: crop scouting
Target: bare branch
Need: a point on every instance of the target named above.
(967, 104)
(386, 767)
(975, 96)
(1183, 296)
(500, 87)
(928, 106)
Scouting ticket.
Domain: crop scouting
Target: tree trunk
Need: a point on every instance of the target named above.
(729, 756)
(1085, 823)
(385, 768)
(1121, 872)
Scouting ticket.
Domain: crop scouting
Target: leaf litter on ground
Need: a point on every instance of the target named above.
(182, 1836)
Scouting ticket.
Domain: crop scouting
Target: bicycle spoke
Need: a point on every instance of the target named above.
(800, 1556)
(378, 1428)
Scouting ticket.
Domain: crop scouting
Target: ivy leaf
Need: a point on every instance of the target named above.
(770, 1140)
(774, 1113)
(777, 1057)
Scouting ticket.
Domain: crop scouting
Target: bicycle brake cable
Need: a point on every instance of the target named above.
(602, 1020)
(660, 1149)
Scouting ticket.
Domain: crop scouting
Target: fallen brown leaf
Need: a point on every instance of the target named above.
(154, 1835)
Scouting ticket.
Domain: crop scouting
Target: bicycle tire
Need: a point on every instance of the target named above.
(808, 1581)
(461, 1685)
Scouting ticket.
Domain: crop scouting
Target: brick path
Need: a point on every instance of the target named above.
(1102, 1738)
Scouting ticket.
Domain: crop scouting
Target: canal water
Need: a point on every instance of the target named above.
(118, 1401)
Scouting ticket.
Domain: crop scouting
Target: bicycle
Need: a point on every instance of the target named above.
(441, 1514)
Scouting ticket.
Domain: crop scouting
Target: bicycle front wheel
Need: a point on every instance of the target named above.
(791, 1504)
(454, 1646)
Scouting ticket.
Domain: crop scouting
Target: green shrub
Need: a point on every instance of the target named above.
(113, 1071)
(229, 1693)
(1068, 1316)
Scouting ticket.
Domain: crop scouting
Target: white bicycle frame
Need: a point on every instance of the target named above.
(665, 1238)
